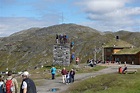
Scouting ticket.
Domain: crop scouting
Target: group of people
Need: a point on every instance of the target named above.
(91, 62)
(76, 59)
(61, 38)
(67, 76)
(10, 84)
(122, 70)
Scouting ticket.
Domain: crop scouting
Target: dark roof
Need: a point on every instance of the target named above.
(117, 44)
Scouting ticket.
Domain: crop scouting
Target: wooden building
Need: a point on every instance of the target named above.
(131, 56)
(120, 51)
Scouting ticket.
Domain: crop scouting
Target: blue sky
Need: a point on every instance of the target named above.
(103, 15)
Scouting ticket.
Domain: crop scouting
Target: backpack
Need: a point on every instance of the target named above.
(52, 70)
(9, 86)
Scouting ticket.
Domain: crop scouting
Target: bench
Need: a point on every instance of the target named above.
(130, 71)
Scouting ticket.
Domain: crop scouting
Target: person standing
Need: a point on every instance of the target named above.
(72, 74)
(72, 57)
(64, 73)
(61, 38)
(27, 85)
(11, 83)
(57, 37)
(68, 77)
(1, 85)
(53, 72)
(72, 45)
(64, 38)
(77, 60)
(67, 39)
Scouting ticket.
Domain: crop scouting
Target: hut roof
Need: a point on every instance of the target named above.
(118, 44)
(128, 51)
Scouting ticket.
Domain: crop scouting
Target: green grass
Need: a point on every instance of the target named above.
(109, 83)
(89, 69)
(46, 70)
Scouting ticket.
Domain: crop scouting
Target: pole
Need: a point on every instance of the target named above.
(95, 53)
(102, 53)
(62, 18)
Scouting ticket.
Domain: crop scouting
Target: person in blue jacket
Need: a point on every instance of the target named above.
(53, 72)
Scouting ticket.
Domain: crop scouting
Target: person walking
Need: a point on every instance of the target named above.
(64, 72)
(53, 72)
(72, 74)
(11, 83)
(27, 85)
(68, 77)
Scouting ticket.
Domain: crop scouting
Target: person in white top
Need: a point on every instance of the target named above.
(27, 86)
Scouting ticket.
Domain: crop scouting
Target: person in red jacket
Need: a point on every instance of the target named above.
(64, 73)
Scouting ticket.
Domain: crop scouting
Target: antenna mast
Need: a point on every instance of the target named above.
(62, 18)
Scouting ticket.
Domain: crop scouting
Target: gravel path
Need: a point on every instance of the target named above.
(48, 85)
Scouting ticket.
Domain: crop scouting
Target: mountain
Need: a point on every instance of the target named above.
(131, 37)
(33, 47)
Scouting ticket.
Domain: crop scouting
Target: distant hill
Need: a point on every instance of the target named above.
(32, 48)
(131, 37)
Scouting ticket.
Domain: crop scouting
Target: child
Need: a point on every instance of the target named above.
(68, 77)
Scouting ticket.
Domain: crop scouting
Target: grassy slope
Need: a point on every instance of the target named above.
(110, 83)
(33, 47)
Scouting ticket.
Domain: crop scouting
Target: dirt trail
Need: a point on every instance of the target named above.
(48, 85)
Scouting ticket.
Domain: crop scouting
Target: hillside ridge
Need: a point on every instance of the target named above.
(33, 47)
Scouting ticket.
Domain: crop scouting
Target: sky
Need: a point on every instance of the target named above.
(103, 15)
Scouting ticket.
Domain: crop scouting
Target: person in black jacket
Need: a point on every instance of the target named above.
(57, 37)
(125, 68)
(72, 73)
(27, 85)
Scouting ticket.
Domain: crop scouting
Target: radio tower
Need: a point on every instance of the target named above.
(62, 18)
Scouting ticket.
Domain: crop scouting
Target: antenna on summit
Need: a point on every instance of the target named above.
(62, 18)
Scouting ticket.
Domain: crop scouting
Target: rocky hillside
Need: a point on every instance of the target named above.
(33, 47)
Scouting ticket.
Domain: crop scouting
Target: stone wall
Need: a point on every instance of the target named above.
(61, 54)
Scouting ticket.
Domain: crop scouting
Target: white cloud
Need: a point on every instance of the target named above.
(102, 6)
(112, 14)
(103, 15)
(10, 25)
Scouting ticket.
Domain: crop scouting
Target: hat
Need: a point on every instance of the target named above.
(25, 73)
